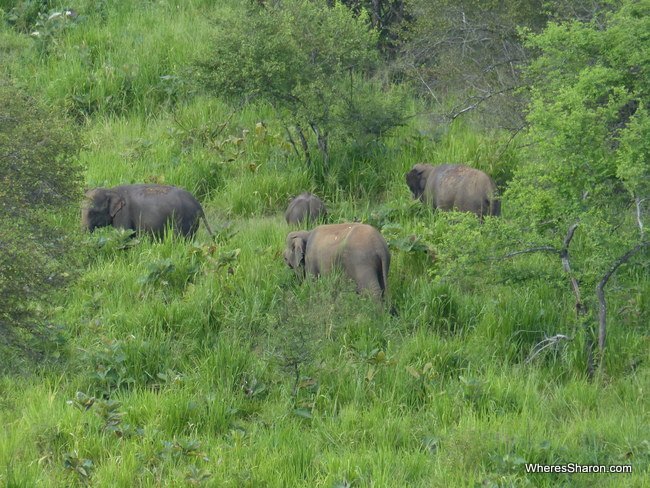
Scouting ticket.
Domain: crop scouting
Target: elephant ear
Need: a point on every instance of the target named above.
(416, 180)
(115, 204)
(297, 252)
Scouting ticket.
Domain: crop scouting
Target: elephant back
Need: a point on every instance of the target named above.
(306, 207)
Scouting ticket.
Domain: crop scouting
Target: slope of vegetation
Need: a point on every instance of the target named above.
(206, 363)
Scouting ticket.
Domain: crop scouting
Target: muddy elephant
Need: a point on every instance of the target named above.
(454, 187)
(143, 208)
(306, 207)
(358, 249)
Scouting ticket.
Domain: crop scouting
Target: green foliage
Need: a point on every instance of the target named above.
(82, 468)
(633, 158)
(208, 363)
(588, 125)
(50, 29)
(588, 157)
(87, 69)
(311, 62)
(281, 58)
(588, 115)
(40, 180)
(23, 15)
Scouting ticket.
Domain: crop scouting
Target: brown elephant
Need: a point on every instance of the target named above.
(358, 249)
(143, 208)
(454, 187)
(306, 207)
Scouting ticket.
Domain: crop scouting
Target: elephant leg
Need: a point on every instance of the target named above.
(367, 280)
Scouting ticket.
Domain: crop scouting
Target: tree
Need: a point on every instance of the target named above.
(589, 155)
(589, 112)
(468, 56)
(313, 63)
(386, 17)
(38, 179)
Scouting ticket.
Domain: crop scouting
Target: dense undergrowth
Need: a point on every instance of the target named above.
(206, 363)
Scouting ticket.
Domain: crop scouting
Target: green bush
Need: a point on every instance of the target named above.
(40, 183)
(588, 159)
(313, 63)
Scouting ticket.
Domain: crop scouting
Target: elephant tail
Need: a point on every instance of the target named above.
(383, 276)
(207, 226)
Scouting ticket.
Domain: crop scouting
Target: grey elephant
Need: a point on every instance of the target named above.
(358, 249)
(143, 208)
(306, 207)
(454, 187)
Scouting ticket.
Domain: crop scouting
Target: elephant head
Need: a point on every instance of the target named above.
(294, 253)
(416, 179)
(99, 208)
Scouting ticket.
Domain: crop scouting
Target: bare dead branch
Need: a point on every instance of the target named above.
(546, 343)
(305, 145)
(480, 100)
(322, 142)
(293, 143)
(569, 236)
(638, 201)
(532, 249)
(581, 309)
(600, 292)
(514, 132)
(433, 95)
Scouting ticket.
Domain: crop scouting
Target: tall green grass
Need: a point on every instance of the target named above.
(209, 363)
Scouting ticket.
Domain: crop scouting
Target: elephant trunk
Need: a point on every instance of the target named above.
(85, 221)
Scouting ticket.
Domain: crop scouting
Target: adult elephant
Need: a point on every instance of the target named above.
(358, 249)
(454, 187)
(143, 208)
(305, 207)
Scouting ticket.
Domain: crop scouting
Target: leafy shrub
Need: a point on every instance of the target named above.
(312, 63)
(589, 120)
(40, 180)
(588, 158)
(24, 15)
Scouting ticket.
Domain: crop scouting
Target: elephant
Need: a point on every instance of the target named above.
(143, 208)
(358, 249)
(454, 187)
(305, 207)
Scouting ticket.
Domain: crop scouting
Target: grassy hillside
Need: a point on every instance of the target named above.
(206, 363)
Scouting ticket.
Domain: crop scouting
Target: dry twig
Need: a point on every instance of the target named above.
(546, 343)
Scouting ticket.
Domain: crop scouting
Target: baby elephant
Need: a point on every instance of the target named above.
(358, 249)
(143, 208)
(454, 187)
(305, 207)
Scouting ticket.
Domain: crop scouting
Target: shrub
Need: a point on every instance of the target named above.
(39, 180)
(313, 64)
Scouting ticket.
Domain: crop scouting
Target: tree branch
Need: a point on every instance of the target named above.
(293, 143)
(581, 309)
(305, 145)
(547, 342)
(638, 201)
(532, 249)
(480, 100)
(600, 292)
